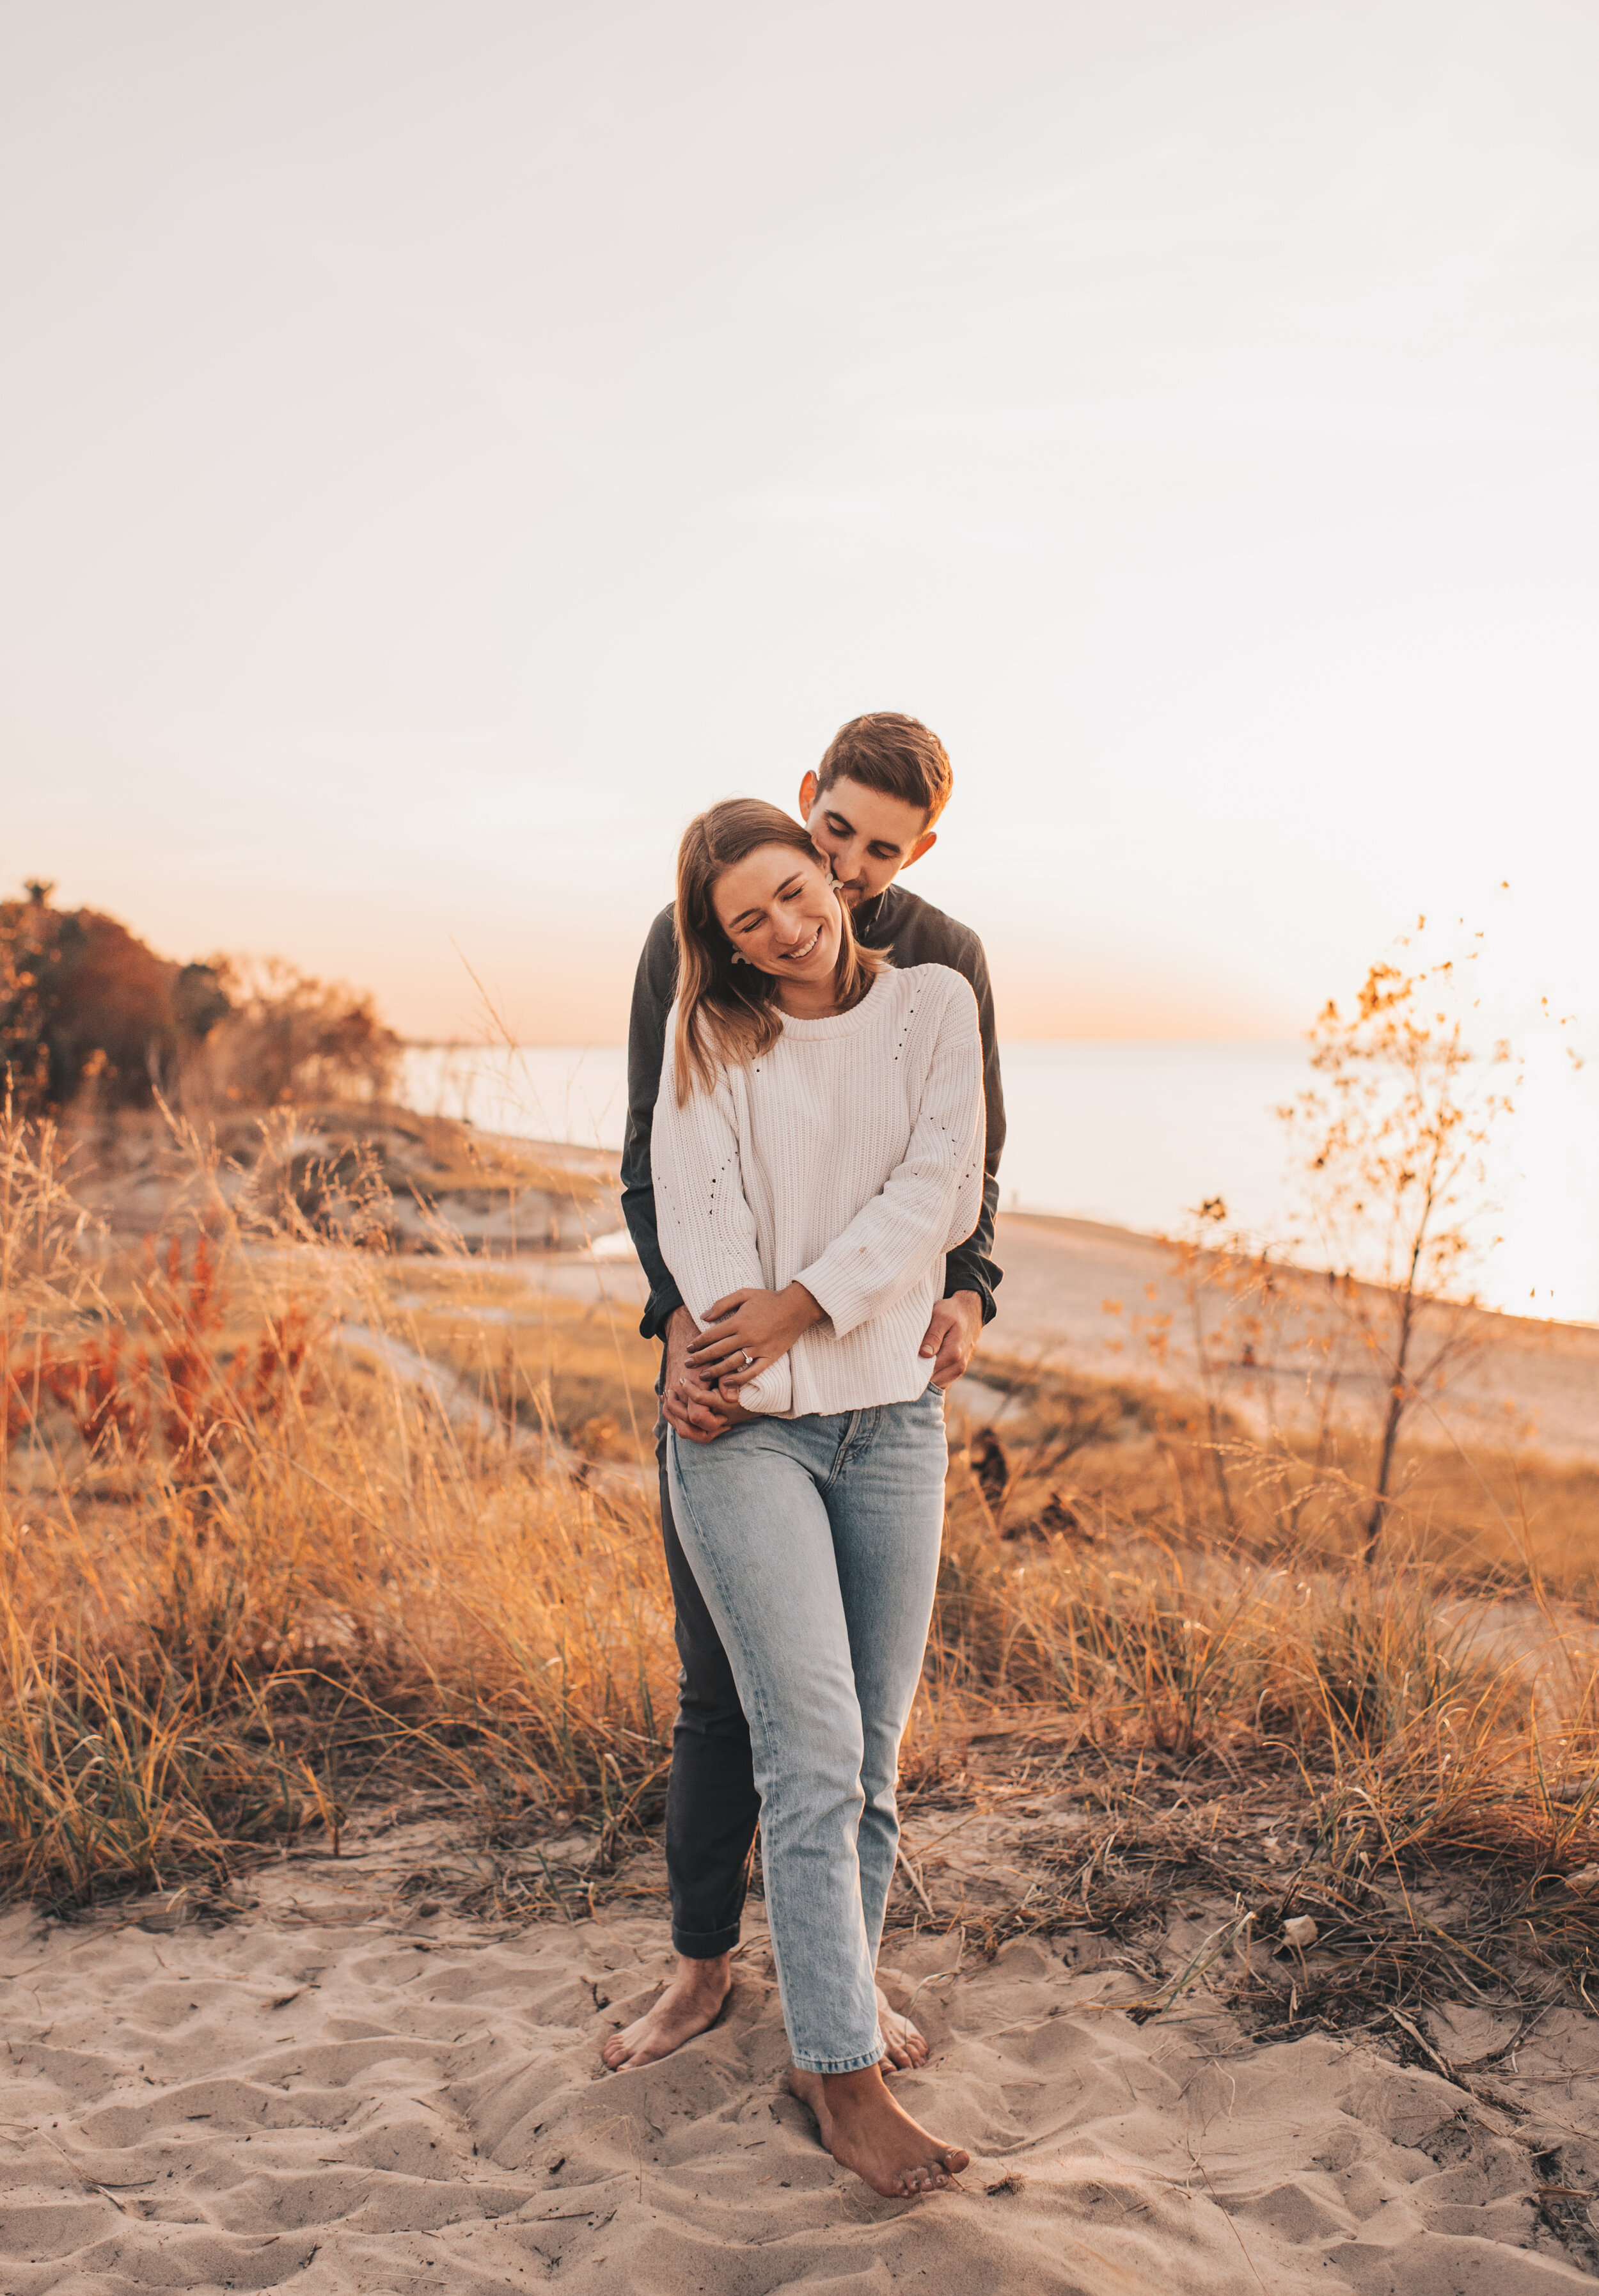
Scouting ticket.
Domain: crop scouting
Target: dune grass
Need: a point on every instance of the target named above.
(1130, 1457)
(286, 1527)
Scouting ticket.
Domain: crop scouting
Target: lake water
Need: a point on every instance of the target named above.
(1134, 1134)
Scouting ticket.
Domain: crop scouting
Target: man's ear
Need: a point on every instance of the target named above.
(808, 790)
(923, 844)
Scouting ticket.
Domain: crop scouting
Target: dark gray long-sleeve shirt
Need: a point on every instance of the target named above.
(912, 932)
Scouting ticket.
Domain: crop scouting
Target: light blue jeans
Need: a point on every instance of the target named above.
(815, 1543)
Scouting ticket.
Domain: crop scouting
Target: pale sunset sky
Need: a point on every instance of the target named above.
(443, 446)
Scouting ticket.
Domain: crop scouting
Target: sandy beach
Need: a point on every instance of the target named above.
(1090, 1297)
(1079, 1293)
(335, 2079)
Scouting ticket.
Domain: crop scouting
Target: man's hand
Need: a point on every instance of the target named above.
(952, 1336)
(692, 1409)
(749, 1330)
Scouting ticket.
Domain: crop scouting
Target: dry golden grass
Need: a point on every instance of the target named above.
(286, 1526)
(1129, 1458)
(543, 1361)
(231, 1601)
(434, 1155)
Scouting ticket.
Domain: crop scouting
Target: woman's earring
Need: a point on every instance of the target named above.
(738, 959)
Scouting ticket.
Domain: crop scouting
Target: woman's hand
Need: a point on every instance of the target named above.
(748, 1331)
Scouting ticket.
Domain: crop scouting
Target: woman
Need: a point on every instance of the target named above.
(817, 1148)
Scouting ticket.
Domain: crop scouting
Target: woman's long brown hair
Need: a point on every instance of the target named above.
(728, 1015)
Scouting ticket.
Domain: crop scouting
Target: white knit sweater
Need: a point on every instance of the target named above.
(848, 1158)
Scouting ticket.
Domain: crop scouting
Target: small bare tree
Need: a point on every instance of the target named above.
(1394, 1135)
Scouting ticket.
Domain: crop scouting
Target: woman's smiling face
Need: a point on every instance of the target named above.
(776, 908)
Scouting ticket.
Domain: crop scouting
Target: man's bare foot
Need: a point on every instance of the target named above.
(905, 2047)
(691, 2003)
(863, 2129)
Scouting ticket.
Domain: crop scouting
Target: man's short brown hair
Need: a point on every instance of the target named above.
(894, 754)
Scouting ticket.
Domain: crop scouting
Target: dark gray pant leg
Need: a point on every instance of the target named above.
(712, 1806)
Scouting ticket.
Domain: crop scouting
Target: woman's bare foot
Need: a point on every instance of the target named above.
(863, 2129)
(904, 2046)
(691, 2003)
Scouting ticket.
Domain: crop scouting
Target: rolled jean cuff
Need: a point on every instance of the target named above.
(704, 1945)
(826, 2065)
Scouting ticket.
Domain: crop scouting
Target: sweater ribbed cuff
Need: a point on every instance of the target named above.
(844, 1301)
(773, 1392)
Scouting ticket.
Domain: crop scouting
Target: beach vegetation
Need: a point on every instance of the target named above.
(1392, 1136)
(90, 1016)
(297, 1527)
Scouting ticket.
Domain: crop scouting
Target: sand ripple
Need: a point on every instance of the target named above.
(333, 2095)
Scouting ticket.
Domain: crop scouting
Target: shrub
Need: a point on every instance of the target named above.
(87, 1007)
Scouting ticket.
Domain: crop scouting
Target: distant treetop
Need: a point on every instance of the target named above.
(87, 1008)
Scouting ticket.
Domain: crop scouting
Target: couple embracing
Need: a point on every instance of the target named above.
(814, 1131)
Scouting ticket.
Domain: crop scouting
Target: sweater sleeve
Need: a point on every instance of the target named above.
(706, 1227)
(652, 990)
(971, 1265)
(930, 1201)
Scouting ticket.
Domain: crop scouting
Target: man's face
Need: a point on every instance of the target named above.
(869, 838)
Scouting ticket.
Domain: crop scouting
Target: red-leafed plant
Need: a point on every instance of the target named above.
(175, 1382)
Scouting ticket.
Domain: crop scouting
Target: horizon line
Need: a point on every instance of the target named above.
(1018, 1036)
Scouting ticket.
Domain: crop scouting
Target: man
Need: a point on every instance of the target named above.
(871, 807)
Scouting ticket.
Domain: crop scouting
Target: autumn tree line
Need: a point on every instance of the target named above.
(91, 1015)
